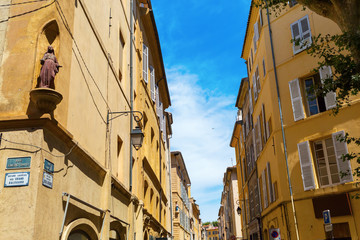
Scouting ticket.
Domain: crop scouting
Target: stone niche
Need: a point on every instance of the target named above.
(45, 98)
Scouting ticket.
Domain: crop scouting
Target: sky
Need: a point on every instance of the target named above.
(201, 43)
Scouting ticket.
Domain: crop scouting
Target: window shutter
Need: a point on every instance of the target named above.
(152, 83)
(254, 143)
(250, 102)
(164, 128)
(260, 17)
(265, 197)
(296, 99)
(330, 98)
(305, 32)
(145, 63)
(306, 166)
(157, 100)
(259, 138)
(341, 149)
(296, 35)
(270, 185)
(264, 67)
(257, 77)
(254, 42)
(256, 31)
(254, 88)
(265, 136)
(161, 115)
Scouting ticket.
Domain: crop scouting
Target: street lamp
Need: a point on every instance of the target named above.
(238, 210)
(137, 136)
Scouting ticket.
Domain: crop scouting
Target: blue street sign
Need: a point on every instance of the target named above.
(48, 166)
(326, 216)
(19, 162)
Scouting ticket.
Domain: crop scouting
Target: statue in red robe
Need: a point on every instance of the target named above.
(50, 67)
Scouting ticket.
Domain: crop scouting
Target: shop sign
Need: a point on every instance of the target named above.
(48, 166)
(47, 180)
(274, 234)
(18, 162)
(17, 179)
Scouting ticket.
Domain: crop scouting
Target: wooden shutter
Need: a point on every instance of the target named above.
(296, 100)
(264, 67)
(145, 63)
(259, 138)
(254, 143)
(306, 166)
(254, 42)
(250, 102)
(157, 100)
(265, 136)
(161, 116)
(305, 32)
(257, 78)
(256, 31)
(264, 190)
(254, 87)
(164, 128)
(152, 83)
(341, 149)
(330, 98)
(260, 17)
(296, 35)
(270, 185)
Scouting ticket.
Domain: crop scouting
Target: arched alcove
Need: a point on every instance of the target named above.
(49, 35)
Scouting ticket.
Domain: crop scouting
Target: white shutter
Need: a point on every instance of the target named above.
(254, 42)
(152, 83)
(145, 63)
(264, 123)
(254, 143)
(330, 98)
(306, 166)
(296, 35)
(164, 128)
(256, 31)
(341, 149)
(161, 116)
(270, 185)
(157, 100)
(265, 196)
(254, 88)
(296, 100)
(250, 102)
(305, 32)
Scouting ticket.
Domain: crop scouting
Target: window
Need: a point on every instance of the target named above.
(292, 3)
(256, 83)
(78, 235)
(145, 62)
(121, 54)
(249, 63)
(327, 155)
(301, 34)
(326, 164)
(313, 104)
(256, 35)
(152, 83)
(252, 57)
(264, 68)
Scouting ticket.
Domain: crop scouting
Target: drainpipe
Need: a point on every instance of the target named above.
(282, 125)
(131, 89)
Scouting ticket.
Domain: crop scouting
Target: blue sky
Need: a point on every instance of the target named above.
(201, 43)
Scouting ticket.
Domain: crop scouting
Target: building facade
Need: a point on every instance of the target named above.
(180, 183)
(230, 221)
(286, 139)
(68, 167)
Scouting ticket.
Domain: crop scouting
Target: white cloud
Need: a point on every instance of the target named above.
(202, 128)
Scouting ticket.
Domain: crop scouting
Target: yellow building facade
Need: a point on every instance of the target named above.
(180, 186)
(286, 140)
(70, 171)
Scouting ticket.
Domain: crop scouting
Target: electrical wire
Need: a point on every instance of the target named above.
(21, 3)
(38, 148)
(63, 19)
(24, 13)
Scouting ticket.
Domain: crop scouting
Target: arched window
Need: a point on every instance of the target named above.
(79, 235)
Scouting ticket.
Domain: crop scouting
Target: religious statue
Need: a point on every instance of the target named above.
(50, 67)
